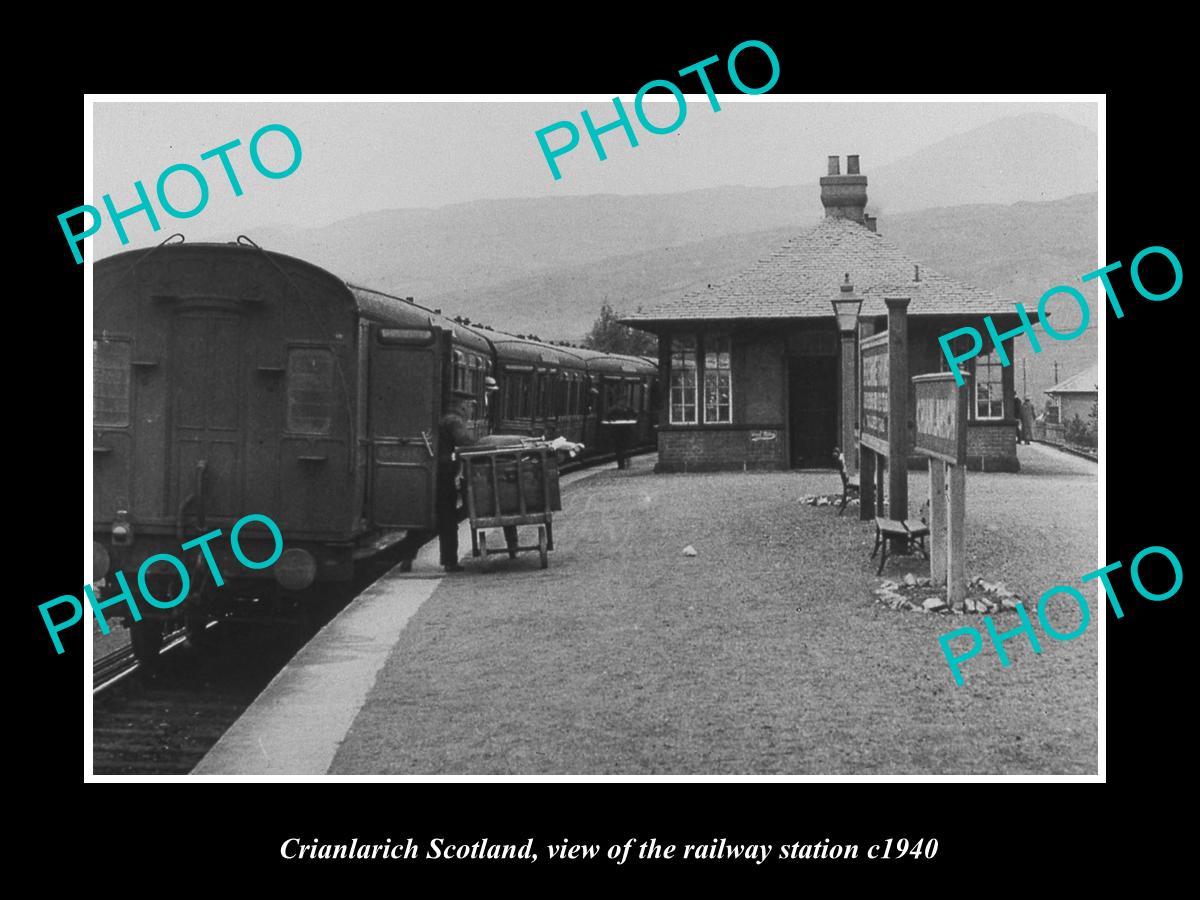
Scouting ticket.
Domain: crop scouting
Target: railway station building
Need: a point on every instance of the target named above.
(1076, 396)
(757, 375)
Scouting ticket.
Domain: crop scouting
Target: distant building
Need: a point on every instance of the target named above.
(1072, 397)
(751, 367)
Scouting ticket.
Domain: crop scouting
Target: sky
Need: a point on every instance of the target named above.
(359, 157)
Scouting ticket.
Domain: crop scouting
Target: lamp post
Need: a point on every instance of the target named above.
(846, 308)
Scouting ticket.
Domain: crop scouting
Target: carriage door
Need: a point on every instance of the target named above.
(404, 392)
(207, 413)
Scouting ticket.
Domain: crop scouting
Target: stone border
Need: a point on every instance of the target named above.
(919, 595)
(828, 500)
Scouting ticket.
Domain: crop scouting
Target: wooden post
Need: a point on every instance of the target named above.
(866, 483)
(849, 392)
(880, 484)
(897, 308)
(956, 590)
(937, 522)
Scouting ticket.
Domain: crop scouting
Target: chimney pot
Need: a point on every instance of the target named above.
(834, 166)
(844, 196)
(851, 165)
(916, 272)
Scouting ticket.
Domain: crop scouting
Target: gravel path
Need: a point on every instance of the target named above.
(762, 654)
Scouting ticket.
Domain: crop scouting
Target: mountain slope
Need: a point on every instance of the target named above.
(482, 245)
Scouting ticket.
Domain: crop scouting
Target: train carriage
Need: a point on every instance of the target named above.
(233, 381)
(626, 381)
(229, 381)
(543, 388)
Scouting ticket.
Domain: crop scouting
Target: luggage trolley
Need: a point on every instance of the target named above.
(511, 486)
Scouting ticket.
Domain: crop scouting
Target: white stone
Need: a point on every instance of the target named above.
(689, 550)
(910, 579)
(932, 603)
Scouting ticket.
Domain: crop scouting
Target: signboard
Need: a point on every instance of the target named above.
(941, 418)
(941, 434)
(873, 425)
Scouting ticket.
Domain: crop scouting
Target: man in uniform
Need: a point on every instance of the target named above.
(452, 434)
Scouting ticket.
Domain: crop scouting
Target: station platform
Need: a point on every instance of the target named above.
(762, 653)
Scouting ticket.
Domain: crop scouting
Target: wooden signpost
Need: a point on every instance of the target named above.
(884, 416)
(941, 435)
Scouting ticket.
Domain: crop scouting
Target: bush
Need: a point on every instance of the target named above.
(1077, 432)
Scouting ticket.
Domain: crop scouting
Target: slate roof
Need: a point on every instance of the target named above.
(1083, 383)
(801, 278)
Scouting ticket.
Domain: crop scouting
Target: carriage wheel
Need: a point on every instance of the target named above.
(542, 545)
(146, 638)
(196, 625)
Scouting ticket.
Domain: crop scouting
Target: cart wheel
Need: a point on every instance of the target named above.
(542, 545)
(483, 551)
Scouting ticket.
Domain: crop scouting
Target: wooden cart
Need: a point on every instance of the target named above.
(509, 487)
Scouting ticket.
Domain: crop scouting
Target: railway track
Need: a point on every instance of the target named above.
(112, 667)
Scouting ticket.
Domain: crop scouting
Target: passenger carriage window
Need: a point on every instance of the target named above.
(110, 383)
(683, 380)
(510, 397)
(477, 373)
(458, 376)
(310, 390)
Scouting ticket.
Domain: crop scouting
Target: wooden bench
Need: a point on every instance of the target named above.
(913, 531)
(849, 484)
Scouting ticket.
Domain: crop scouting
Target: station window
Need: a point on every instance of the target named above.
(309, 390)
(110, 383)
(683, 380)
(717, 381)
(989, 387)
(696, 363)
(1053, 415)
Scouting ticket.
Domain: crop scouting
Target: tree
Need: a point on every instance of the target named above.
(610, 336)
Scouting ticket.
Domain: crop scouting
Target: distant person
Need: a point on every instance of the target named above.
(621, 419)
(1017, 416)
(1027, 420)
(452, 434)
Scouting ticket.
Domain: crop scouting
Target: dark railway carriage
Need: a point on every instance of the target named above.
(230, 380)
(619, 380)
(551, 390)
(543, 388)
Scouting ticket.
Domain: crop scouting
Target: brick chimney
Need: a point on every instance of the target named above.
(845, 196)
